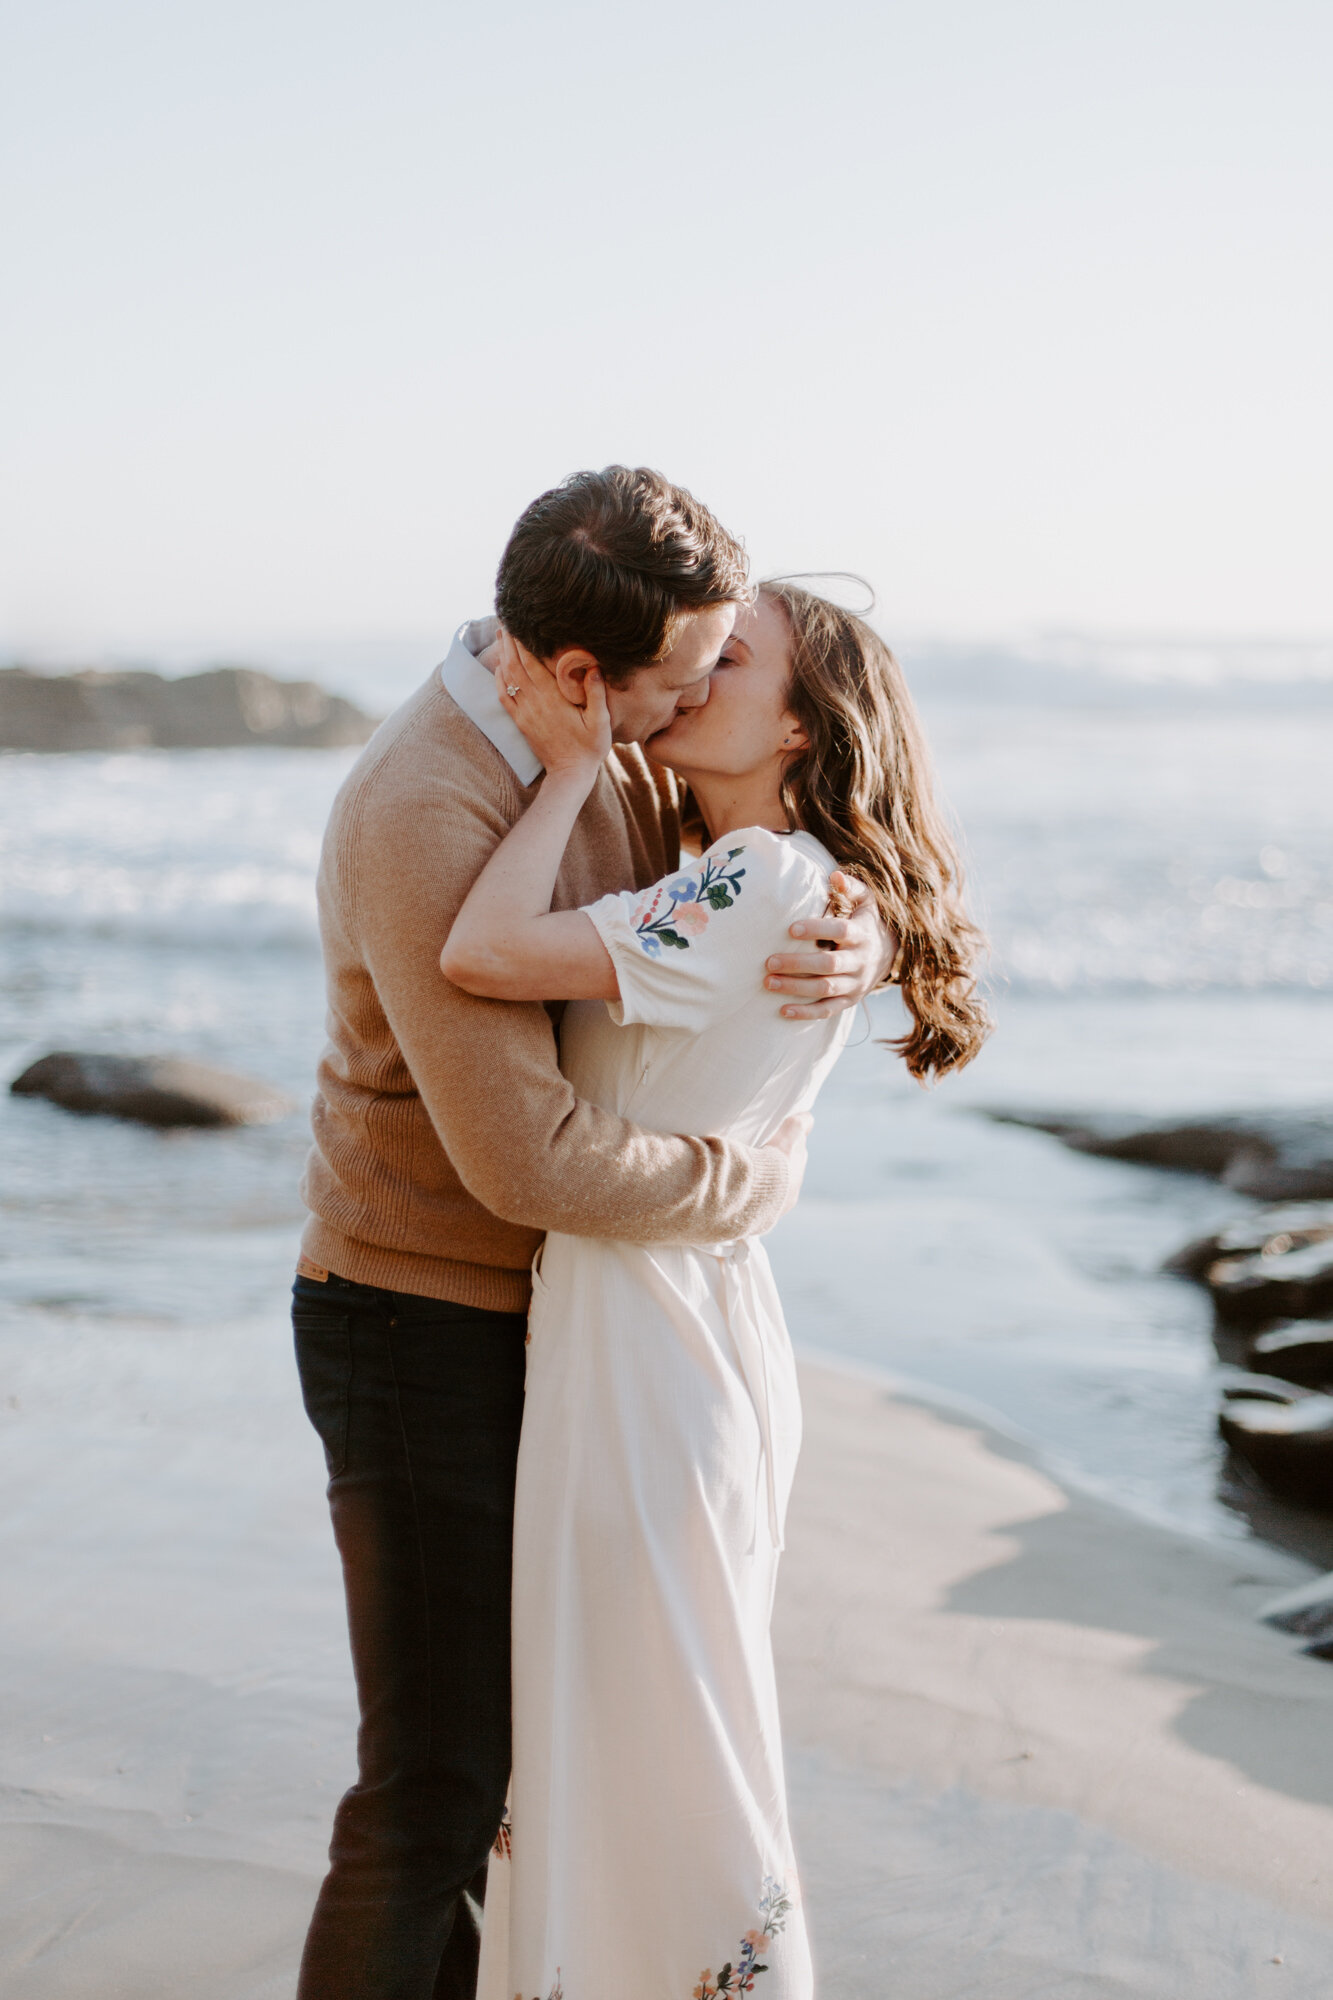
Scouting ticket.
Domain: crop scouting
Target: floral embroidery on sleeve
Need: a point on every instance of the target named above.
(678, 910)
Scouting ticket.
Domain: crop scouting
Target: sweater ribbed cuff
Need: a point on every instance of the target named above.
(771, 1181)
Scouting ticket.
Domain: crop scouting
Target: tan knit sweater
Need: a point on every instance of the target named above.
(446, 1139)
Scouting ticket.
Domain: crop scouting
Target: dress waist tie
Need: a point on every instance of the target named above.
(741, 1307)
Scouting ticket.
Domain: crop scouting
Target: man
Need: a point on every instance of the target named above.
(446, 1142)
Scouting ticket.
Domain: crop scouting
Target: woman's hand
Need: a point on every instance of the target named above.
(571, 740)
(506, 942)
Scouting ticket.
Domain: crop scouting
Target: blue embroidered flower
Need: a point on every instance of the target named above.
(689, 898)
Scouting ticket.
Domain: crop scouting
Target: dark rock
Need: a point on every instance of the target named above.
(1281, 1284)
(1287, 1157)
(1288, 1445)
(225, 708)
(152, 1090)
(1307, 1610)
(1268, 1234)
(1301, 1352)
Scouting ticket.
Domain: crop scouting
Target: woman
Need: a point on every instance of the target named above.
(649, 1851)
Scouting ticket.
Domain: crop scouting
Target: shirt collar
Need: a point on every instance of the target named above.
(473, 688)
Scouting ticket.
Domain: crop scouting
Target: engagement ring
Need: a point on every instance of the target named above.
(511, 691)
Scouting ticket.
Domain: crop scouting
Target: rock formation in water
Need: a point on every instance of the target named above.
(1288, 1284)
(1269, 1233)
(223, 709)
(150, 1090)
(1287, 1441)
(1282, 1157)
(1270, 1277)
(1299, 1351)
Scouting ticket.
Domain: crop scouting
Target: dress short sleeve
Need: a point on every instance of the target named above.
(691, 950)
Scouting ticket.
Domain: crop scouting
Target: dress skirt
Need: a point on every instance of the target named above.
(647, 1851)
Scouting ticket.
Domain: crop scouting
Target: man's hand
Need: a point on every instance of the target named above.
(790, 1139)
(843, 959)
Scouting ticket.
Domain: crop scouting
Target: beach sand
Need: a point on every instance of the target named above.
(1037, 1746)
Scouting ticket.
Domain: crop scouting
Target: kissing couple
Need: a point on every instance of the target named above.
(597, 904)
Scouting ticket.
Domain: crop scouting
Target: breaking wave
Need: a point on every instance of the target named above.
(1126, 850)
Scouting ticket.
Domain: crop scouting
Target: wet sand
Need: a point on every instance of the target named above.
(1037, 1746)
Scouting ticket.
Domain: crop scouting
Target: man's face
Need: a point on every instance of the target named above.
(652, 697)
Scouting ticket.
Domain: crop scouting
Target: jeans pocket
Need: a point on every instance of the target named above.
(324, 1363)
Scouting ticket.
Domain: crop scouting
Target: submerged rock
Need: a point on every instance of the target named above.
(1289, 1445)
(1287, 1157)
(1307, 1610)
(1269, 1233)
(151, 1090)
(1241, 1384)
(1300, 1352)
(1279, 1283)
(223, 709)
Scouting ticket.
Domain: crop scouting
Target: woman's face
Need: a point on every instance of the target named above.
(745, 725)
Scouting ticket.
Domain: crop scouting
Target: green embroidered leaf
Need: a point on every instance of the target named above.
(670, 937)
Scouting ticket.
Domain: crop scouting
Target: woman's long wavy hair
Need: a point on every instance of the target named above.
(864, 787)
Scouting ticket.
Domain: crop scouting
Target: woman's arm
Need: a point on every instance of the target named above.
(506, 943)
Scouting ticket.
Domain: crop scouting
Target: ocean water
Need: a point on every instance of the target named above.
(1154, 864)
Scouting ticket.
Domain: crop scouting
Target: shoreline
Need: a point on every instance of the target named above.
(919, 1391)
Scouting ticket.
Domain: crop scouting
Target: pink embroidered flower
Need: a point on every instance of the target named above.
(689, 901)
(739, 1977)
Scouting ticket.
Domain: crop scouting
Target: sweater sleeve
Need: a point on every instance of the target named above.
(487, 1071)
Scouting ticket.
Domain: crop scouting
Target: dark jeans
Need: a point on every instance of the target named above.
(418, 1405)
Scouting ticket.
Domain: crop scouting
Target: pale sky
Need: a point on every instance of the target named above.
(1020, 307)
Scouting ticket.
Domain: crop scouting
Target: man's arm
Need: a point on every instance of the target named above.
(487, 1071)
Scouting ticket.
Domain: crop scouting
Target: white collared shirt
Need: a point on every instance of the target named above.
(473, 688)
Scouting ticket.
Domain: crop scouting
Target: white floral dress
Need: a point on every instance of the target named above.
(647, 1852)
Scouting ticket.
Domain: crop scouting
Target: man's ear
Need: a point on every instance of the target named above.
(571, 668)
